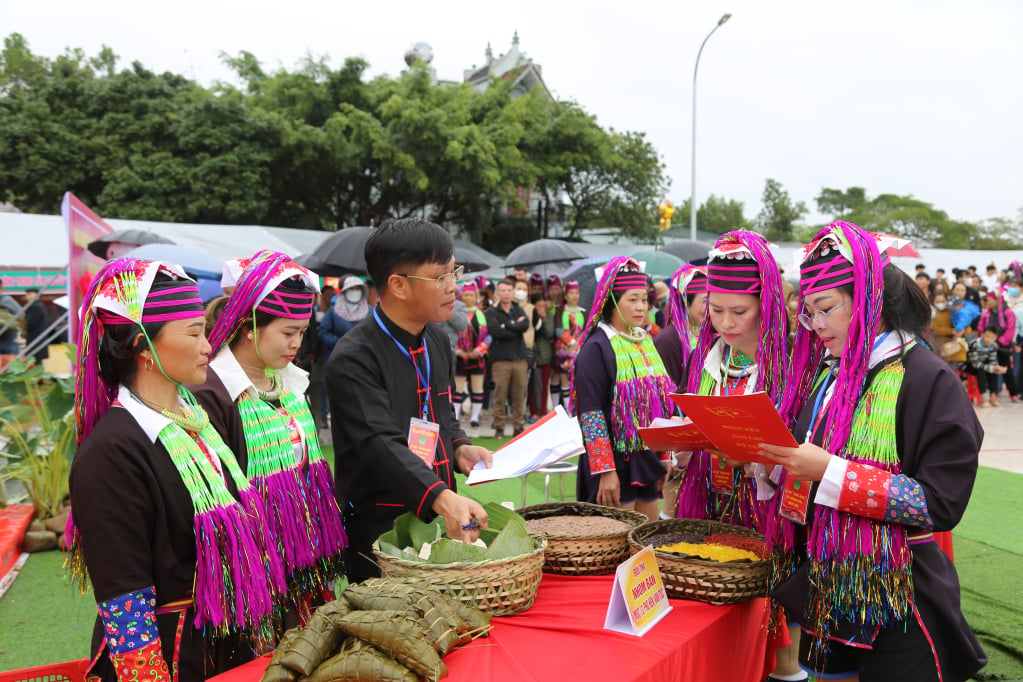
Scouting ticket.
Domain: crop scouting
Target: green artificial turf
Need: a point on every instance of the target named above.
(989, 560)
(42, 618)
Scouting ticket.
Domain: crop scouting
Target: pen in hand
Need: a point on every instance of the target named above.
(471, 525)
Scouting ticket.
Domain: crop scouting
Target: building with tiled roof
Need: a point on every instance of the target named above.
(514, 64)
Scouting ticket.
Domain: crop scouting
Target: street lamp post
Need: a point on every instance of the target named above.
(692, 194)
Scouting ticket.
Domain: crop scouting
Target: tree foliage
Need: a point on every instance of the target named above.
(314, 147)
(918, 221)
(779, 217)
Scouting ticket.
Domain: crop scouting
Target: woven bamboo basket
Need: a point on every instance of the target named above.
(585, 554)
(713, 582)
(503, 587)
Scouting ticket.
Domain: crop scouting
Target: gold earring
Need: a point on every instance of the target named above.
(249, 336)
(149, 364)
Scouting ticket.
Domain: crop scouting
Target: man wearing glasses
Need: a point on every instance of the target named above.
(396, 440)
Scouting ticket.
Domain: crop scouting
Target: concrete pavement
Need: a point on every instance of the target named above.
(1003, 437)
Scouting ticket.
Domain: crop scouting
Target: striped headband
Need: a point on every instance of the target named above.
(292, 299)
(133, 296)
(571, 285)
(172, 300)
(827, 267)
(627, 280)
(733, 275)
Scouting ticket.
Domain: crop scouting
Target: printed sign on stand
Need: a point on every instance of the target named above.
(638, 600)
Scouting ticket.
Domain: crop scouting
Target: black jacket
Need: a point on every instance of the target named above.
(507, 329)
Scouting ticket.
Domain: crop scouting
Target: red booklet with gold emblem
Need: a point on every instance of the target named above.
(736, 424)
(664, 435)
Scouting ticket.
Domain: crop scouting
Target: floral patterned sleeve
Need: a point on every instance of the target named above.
(868, 491)
(132, 638)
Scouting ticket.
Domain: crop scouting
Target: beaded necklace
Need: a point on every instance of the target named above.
(641, 390)
(304, 518)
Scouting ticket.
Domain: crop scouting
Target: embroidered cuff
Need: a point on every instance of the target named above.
(906, 503)
(876, 494)
(598, 443)
(142, 665)
(129, 621)
(831, 484)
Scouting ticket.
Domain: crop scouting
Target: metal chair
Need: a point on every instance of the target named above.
(558, 469)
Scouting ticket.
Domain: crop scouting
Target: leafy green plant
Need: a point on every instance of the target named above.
(37, 423)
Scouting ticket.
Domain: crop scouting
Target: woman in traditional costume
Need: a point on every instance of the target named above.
(165, 524)
(687, 305)
(741, 349)
(569, 323)
(889, 456)
(470, 356)
(255, 397)
(619, 386)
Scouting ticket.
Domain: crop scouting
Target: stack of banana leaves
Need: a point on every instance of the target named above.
(505, 536)
(379, 630)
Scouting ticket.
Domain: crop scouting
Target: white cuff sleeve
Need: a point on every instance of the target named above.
(831, 484)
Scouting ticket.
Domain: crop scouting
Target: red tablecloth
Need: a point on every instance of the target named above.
(562, 638)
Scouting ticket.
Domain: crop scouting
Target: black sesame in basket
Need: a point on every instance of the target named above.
(671, 538)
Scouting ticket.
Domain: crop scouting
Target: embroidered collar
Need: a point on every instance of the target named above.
(236, 380)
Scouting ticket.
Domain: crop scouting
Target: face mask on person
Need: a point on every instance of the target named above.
(353, 295)
(1012, 291)
(520, 295)
(940, 306)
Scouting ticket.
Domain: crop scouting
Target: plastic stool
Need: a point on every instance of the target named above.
(973, 390)
(559, 469)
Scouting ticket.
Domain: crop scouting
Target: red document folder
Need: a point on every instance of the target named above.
(670, 436)
(736, 424)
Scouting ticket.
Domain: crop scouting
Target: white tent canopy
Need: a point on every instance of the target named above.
(41, 241)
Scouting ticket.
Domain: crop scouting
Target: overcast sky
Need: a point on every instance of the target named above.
(907, 97)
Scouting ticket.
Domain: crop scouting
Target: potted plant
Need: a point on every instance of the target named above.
(37, 442)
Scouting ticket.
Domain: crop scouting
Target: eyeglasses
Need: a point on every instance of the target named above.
(821, 316)
(443, 281)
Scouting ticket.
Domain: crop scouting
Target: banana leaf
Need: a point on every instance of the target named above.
(398, 635)
(392, 550)
(423, 533)
(498, 515)
(447, 551)
(399, 535)
(513, 540)
(358, 662)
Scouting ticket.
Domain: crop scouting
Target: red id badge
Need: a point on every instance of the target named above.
(722, 476)
(795, 499)
(422, 439)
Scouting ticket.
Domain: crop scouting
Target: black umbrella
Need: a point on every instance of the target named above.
(583, 272)
(688, 250)
(474, 258)
(470, 261)
(542, 251)
(342, 253)
(133, 236)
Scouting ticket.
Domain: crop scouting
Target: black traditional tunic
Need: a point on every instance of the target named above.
(135, 518)
(374, 394)
(938, 438)
(595, 370)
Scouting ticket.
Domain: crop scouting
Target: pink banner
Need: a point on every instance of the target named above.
(83, 227)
